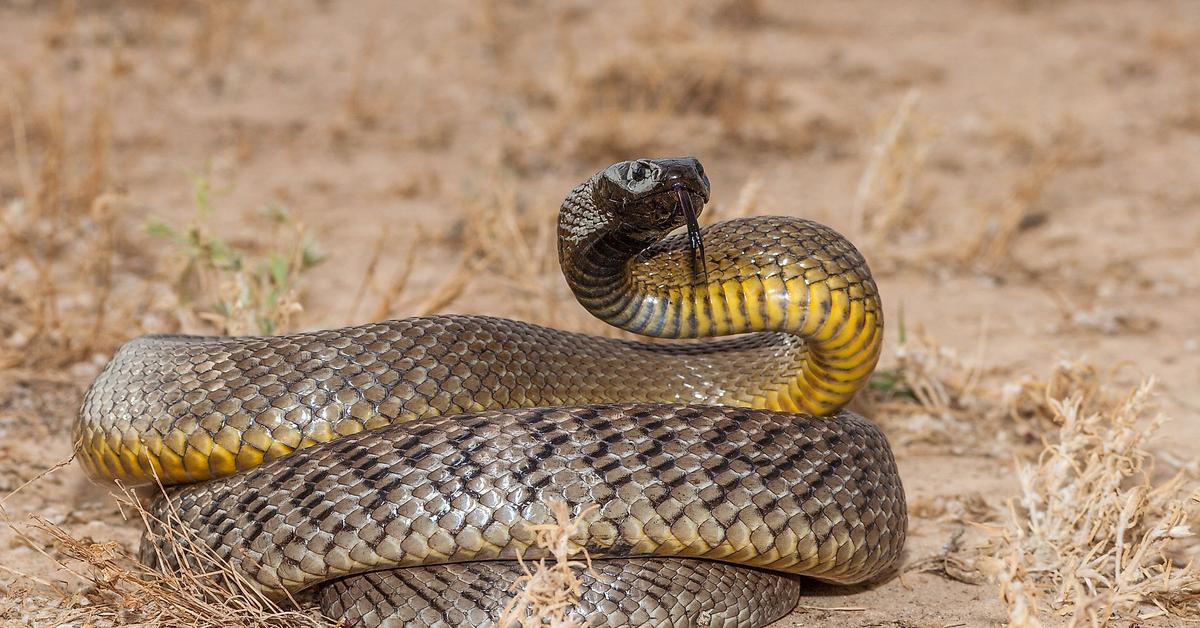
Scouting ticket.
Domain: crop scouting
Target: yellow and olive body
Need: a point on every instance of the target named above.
(725, 449)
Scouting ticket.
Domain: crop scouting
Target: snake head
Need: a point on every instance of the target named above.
(633, 204)
(650, 197)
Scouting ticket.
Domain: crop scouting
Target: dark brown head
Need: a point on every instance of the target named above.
(635, 203)
(651, 197)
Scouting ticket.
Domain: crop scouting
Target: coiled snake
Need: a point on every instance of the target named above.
(398, 467)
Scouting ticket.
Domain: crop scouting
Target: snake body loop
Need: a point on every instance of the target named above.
(410, 450)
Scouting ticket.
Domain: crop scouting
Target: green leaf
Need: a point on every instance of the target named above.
(277, 213)
(311, 257)
(890, 382)
(202, 193)
(158, 229)
(280, 269)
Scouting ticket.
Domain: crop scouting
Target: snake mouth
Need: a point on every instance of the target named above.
(667, 190)
(670, 207)
(680, 204)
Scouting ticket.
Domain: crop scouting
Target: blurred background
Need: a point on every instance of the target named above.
(1021, 175)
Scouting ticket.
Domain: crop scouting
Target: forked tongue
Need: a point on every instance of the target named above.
(695, 242)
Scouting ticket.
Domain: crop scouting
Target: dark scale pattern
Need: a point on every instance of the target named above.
(648, 592)
(817, 497)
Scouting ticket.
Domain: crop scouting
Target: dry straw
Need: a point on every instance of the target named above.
(1092, 534)
(546, 594)
(204, 591)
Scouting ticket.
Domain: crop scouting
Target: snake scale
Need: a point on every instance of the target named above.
(398, 468)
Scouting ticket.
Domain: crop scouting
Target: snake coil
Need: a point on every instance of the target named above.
(398, 468)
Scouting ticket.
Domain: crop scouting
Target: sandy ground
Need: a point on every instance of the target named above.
(1053, 209)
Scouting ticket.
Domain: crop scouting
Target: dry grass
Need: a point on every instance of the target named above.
(637, 103)
(993, 248)
(1046, 155)
(502, 251)
(247, 287)
(199, 588)
(387, 294)
(61, 236)
(508, 257)
(206, 591)
(76, 278)
(740, 13)
(1093, 534)
(56, 284)
(889, 201)
(934, 397)
(1102, 319)
(511, 237)
(545, 595)
(1017, 594)
(895, 214)
(74, 284)
(1031, 402)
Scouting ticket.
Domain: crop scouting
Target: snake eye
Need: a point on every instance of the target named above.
(637, 171)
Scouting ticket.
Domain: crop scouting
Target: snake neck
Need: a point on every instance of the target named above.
(595, 254)
(765, 274)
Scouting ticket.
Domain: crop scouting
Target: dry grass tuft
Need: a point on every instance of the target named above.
(509, 240)
(1031, 402)
(1094, 534)
(1018, 595)
(512, 235)
(992, 250)
(56, 283)
(894, 214)
(740, 13)
(123, 591)
(931, 396)
(546, 594)
(74, 285)
(638, 103)
(1102, 319)
(1092, 531)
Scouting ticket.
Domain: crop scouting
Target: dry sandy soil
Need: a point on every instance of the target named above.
(1021, 174)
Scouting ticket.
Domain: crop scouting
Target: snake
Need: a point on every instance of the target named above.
(397, 472)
